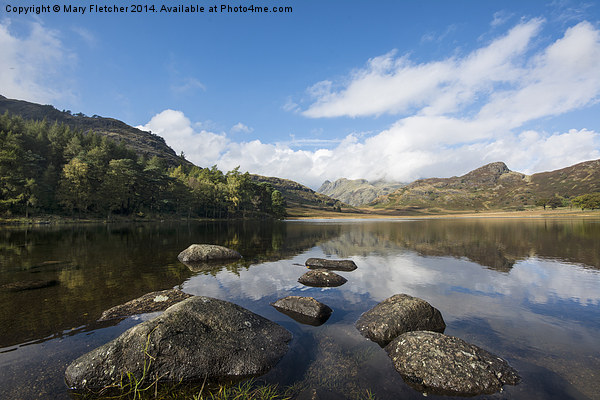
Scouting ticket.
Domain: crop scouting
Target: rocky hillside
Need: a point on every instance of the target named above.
(148, 144)
(297, 195)
(143, 143)
(494, 186)
(357, 192)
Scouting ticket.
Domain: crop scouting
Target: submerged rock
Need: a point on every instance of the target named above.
(305, 310)
(399, 314)
(207, 252)
(322, 278)
(29, 285)
(196, 339)
(150, 302)
(325, 263)
(439, 364)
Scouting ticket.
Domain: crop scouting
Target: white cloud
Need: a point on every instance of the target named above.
(188, 85)
(87, 36)
(33, 67)
(401, 153)
(394, 85)
(200, 146)
(239, 127)
(500, 18)
(456, 114)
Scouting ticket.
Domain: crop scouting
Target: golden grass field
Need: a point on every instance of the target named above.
(296, 213)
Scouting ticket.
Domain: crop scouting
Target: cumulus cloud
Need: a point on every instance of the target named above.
(395, 85)
(453, 114)
(33, 67)
(239, 127)
(200, 146)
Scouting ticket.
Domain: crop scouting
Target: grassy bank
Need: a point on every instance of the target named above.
(373, 213)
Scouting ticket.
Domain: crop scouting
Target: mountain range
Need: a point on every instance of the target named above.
(494, 187)
(490, 187)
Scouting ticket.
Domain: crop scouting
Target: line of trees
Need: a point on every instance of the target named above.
(52, 169)
(588, 201)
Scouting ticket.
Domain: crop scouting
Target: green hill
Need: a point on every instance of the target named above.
(494, 187)
(143, 143)
(301, 199)
(148, 145)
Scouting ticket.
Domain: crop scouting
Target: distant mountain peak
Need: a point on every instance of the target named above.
(495, 168)
(356, 192)
(487, 174)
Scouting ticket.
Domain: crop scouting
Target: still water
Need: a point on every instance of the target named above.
(526, 290)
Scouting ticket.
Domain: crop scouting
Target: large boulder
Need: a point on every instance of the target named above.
(196, 339)
(325, 263)
(399, 314)
(198, 253)
(322, 278)
(306, 310)
(439, 364)
(150, 302)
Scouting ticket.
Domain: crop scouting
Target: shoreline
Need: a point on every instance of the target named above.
(307, 215)
(527, 214)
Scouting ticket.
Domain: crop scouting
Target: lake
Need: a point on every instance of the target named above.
(527, 290)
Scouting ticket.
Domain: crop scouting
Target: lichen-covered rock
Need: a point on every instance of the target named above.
(150, 302)
(399, 314)
(325, 263)
(196, 339)
(306, 310)
(207, 252)
(439, 364)
(322, 278)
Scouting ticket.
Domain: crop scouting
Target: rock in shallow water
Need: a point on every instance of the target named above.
(306, 310)
(150, 302)
(322, 278)
(439, 364)
(207, 252)
(337, 265)
(396, 315)
(198, 338)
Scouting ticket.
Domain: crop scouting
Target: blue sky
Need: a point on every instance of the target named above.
(394, 90)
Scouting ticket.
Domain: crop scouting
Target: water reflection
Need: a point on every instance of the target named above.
(526, 290)
(494, 243)
(93, 268)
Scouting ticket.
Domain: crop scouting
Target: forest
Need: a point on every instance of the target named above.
(51, 169)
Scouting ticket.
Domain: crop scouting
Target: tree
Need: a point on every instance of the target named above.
(278, 204)
(541, 202)
(555, 202)
(119, 186)
(74, 186)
